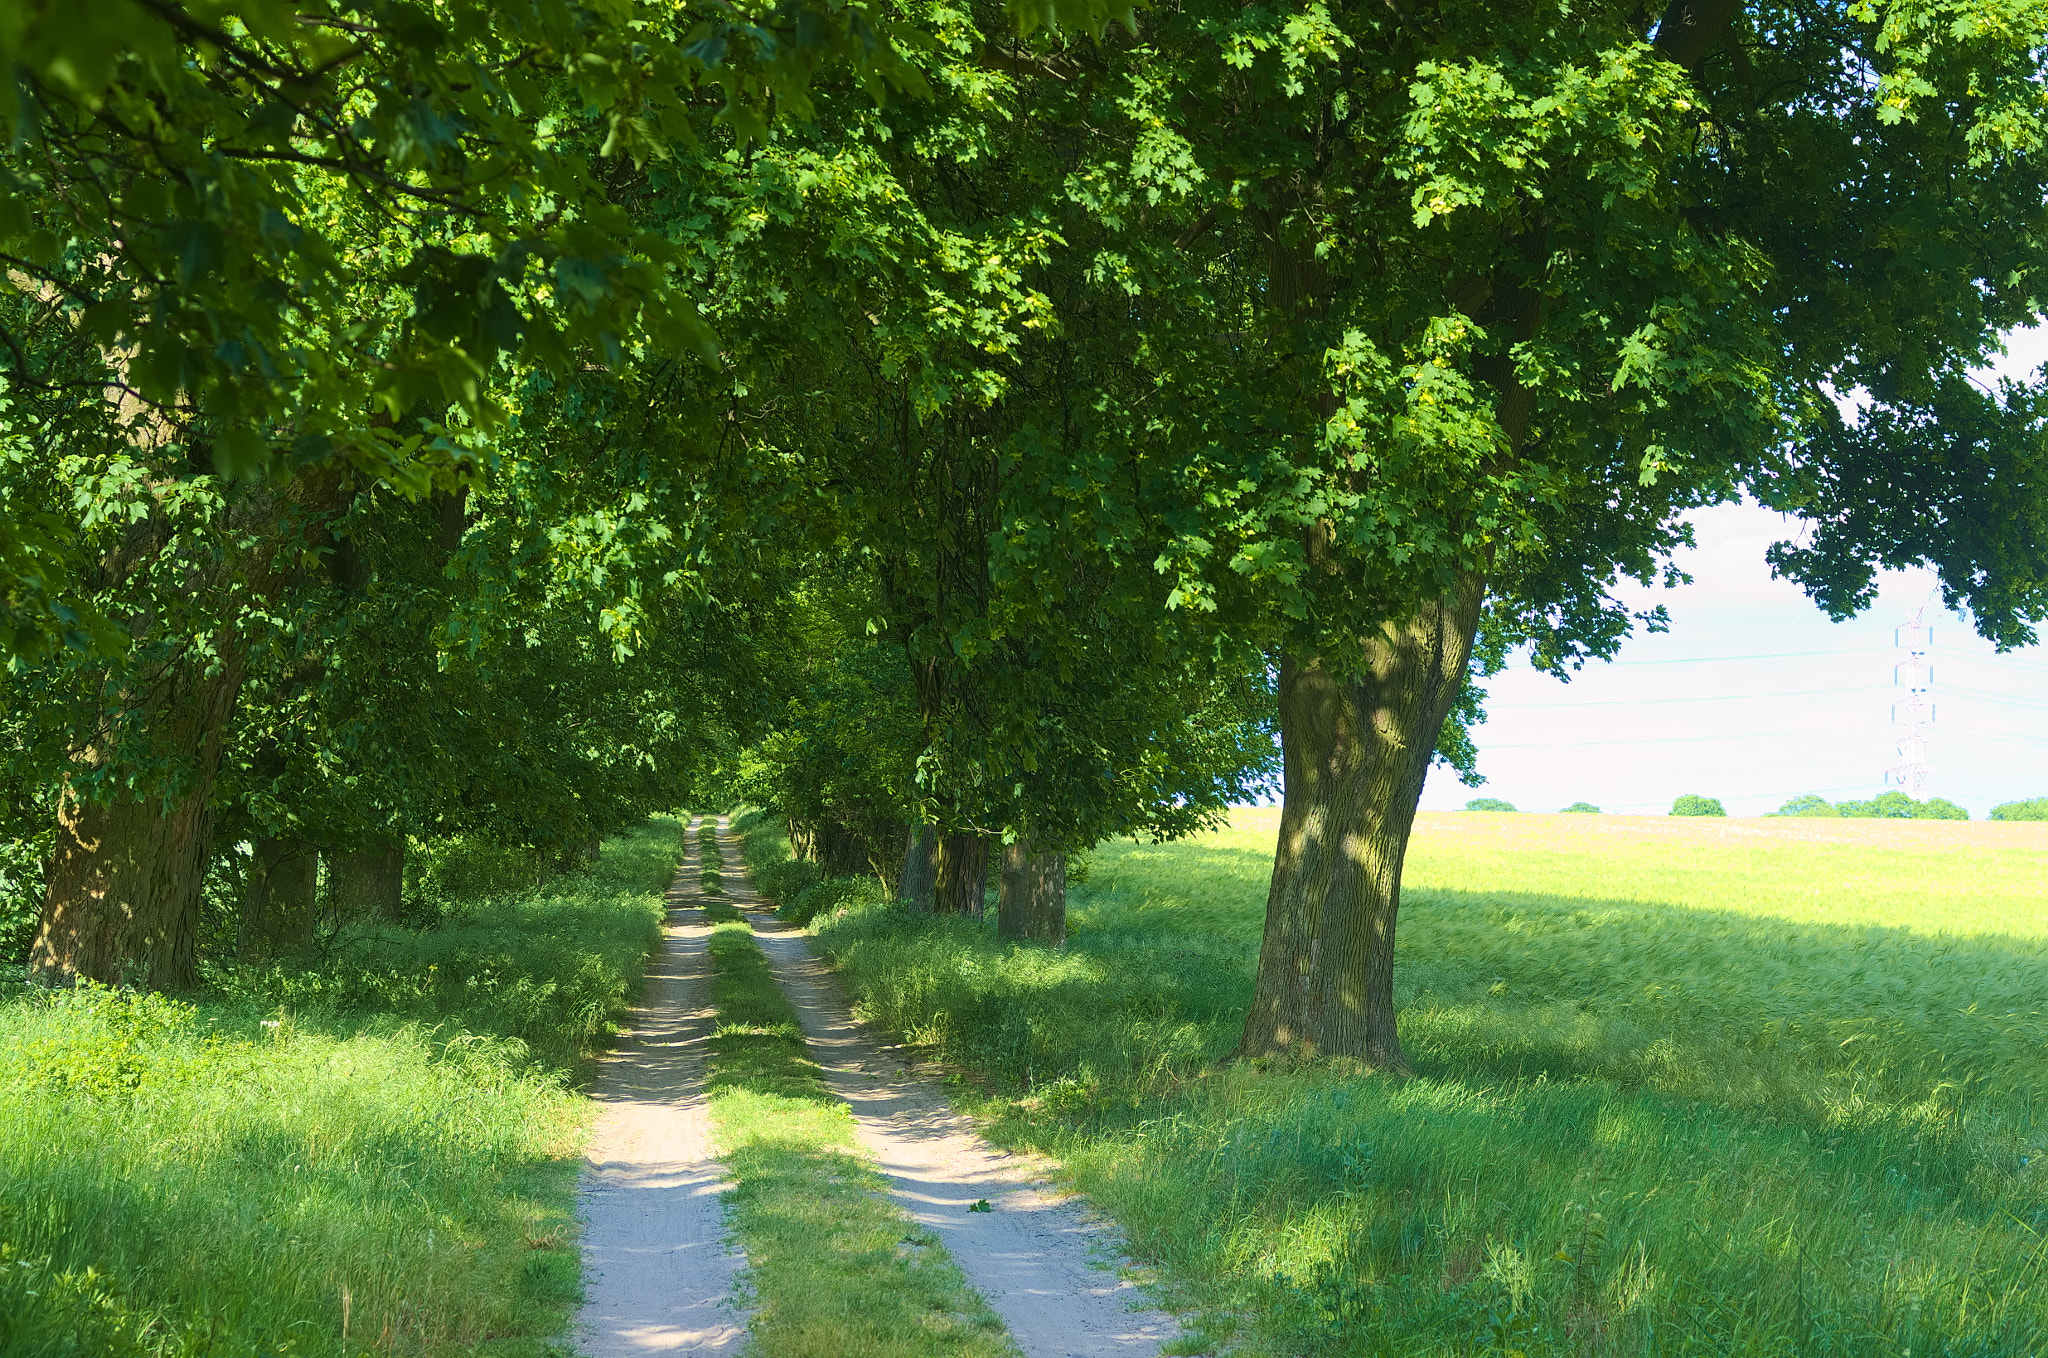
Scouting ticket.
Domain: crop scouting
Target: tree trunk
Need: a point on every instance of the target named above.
(282, 900)
(920, 869)
(125, 875)
(369, 883)
(1355, 753)
(1031, 898)
(962, 874)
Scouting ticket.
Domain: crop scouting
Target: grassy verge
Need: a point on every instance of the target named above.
(834, 1268)
(1673, 1094)
(374, 1155)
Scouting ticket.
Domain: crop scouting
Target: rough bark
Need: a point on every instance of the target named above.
(281, 901)
(920, 869)
(1355, 751)
(962, 875)
(368, 883)
(125, 876)
(1031, 897)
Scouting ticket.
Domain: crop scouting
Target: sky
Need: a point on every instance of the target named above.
(1754, 697)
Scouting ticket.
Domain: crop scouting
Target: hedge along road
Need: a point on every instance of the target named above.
(1045, 1267)
(658, 1275)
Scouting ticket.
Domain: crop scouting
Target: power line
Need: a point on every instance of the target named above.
(1836, 692)
(1765, 655)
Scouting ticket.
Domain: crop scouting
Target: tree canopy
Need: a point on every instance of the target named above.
(956, 419)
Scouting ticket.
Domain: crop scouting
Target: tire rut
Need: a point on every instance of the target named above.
(658, 1272)
(1045, 1266)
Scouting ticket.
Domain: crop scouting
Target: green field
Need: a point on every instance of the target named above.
(1716, 1087)
(373, 1150)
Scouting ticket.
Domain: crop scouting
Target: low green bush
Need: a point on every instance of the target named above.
(830, 894)
(1692, 805)
(1488, 804)
(2034, 808)
(1583, 808)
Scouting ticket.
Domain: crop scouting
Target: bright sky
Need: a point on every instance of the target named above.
(1753, 696)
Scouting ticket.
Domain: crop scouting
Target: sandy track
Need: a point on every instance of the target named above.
(1037, 1256)
(658, 1274)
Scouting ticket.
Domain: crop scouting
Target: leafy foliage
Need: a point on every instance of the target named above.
(2035, 808)
(1692, 804)
(1896, 805)
(1488, 804)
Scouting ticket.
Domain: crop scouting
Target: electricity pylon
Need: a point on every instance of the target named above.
(1914, 713)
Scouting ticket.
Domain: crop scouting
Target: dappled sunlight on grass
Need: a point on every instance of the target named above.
(1675, 1094)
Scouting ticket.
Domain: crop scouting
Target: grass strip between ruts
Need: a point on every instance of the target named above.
(711, 862)
(833, 1266)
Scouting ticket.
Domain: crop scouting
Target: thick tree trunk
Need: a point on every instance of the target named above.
(369, 883)
(1031, 898)
(282, 899)
(125, 876)
(920, 869)
(1355, 750)
(962, 874)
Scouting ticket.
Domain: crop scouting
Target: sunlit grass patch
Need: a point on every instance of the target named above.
(1673, 1095)
(374, 1156)
(834, 1268)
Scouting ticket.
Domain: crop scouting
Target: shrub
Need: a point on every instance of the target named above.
(1807, 805)
(783, 882)
(2034, 808)
(825, 896)
(1584, 807)
(1488, 804)
(1692, 804)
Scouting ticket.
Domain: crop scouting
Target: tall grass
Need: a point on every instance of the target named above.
(374, 1154)
(1704, 1088)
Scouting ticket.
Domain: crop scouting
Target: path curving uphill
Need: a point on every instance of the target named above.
(658, 1273)
(1045, 1267)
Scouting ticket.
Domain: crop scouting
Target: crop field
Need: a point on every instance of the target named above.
(1766, 1087)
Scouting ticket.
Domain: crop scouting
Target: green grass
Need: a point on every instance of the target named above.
(833, 1267)
(1713, 1087)
(709, 860)
(374, 1155)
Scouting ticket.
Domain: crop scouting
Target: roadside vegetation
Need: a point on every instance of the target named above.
(832, 1266)
(370, 1150)
(1673, 1094)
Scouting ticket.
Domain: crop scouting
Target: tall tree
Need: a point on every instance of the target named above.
(1449, 310)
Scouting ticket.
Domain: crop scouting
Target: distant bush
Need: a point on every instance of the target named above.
(1585, 807)
(1807, 805)
(1488, 804)
(1692, 805)
(1896, 805)
(2034, 808)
